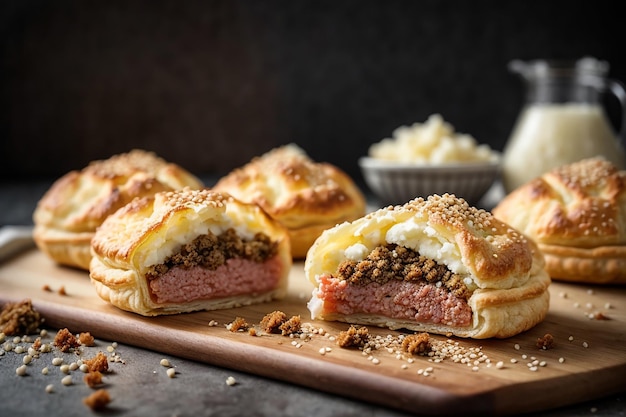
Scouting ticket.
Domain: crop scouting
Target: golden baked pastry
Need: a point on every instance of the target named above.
(68, 214)
(305, 196)
(435, 265)
(189, 250)
(577, 215)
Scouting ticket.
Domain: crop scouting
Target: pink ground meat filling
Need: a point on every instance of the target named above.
(236, 277)
(419, 301)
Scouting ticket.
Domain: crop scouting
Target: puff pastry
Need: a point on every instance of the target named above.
(435, 265)
(68, 214)
(577, 215)
(307, 197)
(189, 250)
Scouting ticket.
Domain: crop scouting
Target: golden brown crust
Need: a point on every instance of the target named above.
(305, 196)
(148, 230)
(504, 271)
(577, 215)
(68, 214)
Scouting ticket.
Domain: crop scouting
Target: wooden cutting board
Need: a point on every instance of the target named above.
(587, 361)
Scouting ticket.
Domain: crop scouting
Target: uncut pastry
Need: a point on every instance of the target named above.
(189, 250)
(577, 215)
(305, 196)
(435, 265)
(68, 214)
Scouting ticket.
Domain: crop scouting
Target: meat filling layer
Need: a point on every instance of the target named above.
(397, 263)
(397, 282)
(212, 251)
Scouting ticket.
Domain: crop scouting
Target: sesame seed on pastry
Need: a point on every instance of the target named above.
(68, 214)
(189, 250)
(432, 265)
(576, 214)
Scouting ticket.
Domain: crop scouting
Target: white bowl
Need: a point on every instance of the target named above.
(396, 182)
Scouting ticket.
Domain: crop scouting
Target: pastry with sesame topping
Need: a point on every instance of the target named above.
(435, 265)
(68, 214)
(306, 196)
(189, 250)
(576, 214)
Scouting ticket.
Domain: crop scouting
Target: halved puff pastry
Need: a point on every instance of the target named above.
(189, 250)
(435, 265)
(68, 214)
(577, 216)
(307, 197)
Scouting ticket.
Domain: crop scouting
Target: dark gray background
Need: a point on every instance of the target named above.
(210, 84)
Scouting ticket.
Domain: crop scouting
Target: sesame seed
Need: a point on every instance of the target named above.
(21, 370)
(84, 368)
(65, 369)
(585, 344)
(165, 362)
(44, 371)
(561, 359)
(49, 388)
(18, 349)
(171, 372)
(517, 346)
(67, 380)
(73, 366)
(230, 381)
(27, 359)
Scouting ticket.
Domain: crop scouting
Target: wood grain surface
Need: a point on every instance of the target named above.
(587, 361)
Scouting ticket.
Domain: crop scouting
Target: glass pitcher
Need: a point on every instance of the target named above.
(563, 119)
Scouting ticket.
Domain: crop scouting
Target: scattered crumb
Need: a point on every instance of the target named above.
(546, 342)
(65, 340)
(252, 331)
(46, 288)
(238, 324)
(598, 316)
(97, 363)
(93, 379)
(353, 337)
(62, 291)
(417, 344)
(231, 381)
(98, 400)
(86, 339)
(19, 318)
(291, 326)
(271, 322)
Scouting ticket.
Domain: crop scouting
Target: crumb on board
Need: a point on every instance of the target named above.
(546, 342)
(62, 291)
(353, 337)
(98, 400)
(238, 324)
(271, 322)
(277, 322)
(19, 318)
(65, 340)
(417, 344)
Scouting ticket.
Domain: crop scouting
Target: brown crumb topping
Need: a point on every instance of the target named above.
(97, 400)
(19, 318)
(210, 251)
(98, 363)
(238, 324)
(546, 342)
(394, 262)
(291, 326)
(417, 344)
(353, 337)
(93, 379)
(65, 340)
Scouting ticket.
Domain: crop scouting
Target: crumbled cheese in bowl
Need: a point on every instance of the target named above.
(433, 142)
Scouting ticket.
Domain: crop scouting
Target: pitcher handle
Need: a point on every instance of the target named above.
(618, 90)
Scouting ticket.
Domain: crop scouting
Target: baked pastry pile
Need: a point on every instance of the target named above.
(577, 216)
(189, 250)
(436, 265)
(307, 197)
(68, 214)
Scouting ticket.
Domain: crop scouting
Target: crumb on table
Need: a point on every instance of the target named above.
(93, 379)
(238, 324)
(97, 400)
(65, 340)
(546, 342)
(417, 344)
(271, 322)
(19, 318)
(97, 363)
